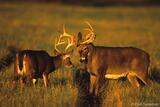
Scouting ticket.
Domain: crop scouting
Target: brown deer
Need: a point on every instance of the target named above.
(34, 64)
(112, 62)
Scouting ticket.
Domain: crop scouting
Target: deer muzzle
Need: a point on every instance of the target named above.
(83, 60)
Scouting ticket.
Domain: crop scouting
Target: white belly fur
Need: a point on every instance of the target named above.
(115, 76)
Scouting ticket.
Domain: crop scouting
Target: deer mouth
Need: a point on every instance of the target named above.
(69, 65)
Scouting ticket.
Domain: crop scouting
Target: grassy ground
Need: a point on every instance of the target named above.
(34, 26)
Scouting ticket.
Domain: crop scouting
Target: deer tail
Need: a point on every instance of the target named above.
(7, 60)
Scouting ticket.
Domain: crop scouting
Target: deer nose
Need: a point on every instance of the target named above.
(82, 59)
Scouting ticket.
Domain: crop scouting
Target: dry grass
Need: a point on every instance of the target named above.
(34, 26)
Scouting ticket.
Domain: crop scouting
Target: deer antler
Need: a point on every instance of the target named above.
(90, 37)
(61, 40)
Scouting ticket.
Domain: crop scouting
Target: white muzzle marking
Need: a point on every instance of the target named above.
(83, 58)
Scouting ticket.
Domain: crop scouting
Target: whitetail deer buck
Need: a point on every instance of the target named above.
(33, 64)
(112, 62)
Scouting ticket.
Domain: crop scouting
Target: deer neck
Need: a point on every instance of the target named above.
(90, 60)
(57, 60)
(91, 55)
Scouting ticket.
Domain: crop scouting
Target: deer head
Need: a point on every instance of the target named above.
(85, 46)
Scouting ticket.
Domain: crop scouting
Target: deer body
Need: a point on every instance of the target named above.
(31, 64)
(117, 60)
(114, 63)
(34, 64)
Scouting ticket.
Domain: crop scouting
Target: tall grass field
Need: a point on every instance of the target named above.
(35, 26)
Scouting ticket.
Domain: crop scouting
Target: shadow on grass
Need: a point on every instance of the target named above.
(81, 79)
(155, 74)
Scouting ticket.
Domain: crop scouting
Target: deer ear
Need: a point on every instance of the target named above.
(79, 38)
(56, 52)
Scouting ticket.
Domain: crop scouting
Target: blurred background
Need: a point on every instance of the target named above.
(96, 2)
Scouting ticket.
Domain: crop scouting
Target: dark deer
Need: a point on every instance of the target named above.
(112, 62)
(33, 64)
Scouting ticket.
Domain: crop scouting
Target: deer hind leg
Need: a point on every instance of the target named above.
(144, 79)
(133, 79)
(45, 79)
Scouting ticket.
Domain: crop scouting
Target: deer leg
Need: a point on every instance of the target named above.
(92, 84)
(97, 86)
(34, 81)
(45, 79)
(133, 80)
(21, 83)
(144, 78)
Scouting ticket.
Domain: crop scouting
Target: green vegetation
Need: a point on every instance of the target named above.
(34, 26)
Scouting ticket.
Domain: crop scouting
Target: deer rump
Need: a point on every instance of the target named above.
(117, 62)
(32, 64)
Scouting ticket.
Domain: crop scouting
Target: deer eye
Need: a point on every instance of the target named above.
(85, 48)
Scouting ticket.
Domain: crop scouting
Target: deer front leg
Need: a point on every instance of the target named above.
(34, 81)
(21, 83)
(93, 80)
(45, 79)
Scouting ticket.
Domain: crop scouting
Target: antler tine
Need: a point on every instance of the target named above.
(70, 38)
(89, 25)
(88, 29)
(70, 42)
(58, 42)
(68, 46)
(65, 34)
(55, 45)
(64, 29)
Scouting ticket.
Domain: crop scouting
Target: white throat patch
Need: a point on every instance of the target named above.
(83, 58)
